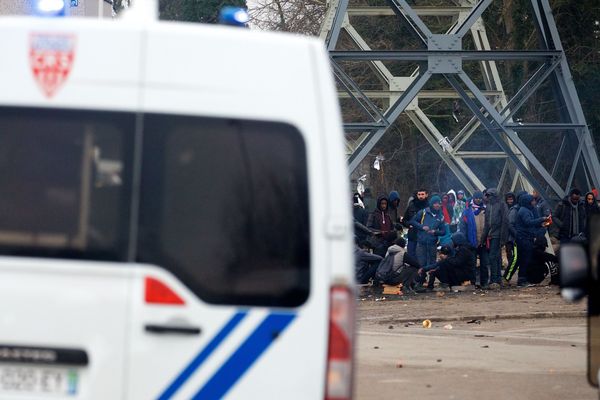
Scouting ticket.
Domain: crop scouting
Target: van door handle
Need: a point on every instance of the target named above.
(172, 329)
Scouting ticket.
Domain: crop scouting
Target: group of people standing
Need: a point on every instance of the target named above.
(444, 235)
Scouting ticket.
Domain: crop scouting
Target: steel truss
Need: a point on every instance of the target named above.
(491, 108)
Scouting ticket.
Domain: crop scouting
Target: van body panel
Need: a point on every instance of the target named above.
(186, 71)
(58, 304)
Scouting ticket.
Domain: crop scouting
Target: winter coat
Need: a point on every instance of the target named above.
(413, 208)
(562, 217)
(474, 233)
(512, 223)
(496, 217)
(527, 225)
(394, 212)
(460, 267)
(402, 257)
(435, 222)
(364, 262)
(380, 220)
(592, 209)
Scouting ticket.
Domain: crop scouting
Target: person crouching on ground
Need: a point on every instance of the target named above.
(366, 263)
(455, 268)
(407, 266)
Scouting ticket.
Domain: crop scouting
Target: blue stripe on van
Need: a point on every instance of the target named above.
(243, 358)
(203, 355)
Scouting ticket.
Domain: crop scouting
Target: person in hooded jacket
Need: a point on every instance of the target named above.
(569, 216)
(452, 201)
(393, 207)
(447, 209)
(430, 225)
(420, 201)
(472, 225)
(511, 240)
(406, 265)
(360, 218)
(495, 232)
(369, 201)
(591, 205)
(366, 263)
(527, 227)
(459, 207)
(509, 200)
(380, 221)
(455, 269)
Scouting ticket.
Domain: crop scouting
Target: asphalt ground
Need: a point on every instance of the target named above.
(506, 344)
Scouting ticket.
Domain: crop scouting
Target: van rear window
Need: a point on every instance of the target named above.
(223, 204)
(65, 179)
(224, 207)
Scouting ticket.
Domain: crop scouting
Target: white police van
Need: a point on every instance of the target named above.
(174, 221)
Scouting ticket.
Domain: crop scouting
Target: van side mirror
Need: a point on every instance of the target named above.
(574, 271)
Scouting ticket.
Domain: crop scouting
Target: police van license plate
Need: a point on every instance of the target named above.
(38, 380)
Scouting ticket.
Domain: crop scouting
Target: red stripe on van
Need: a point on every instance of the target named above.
(156, 292)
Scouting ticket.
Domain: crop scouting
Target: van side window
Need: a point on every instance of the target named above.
(224, 207)
(65, 183)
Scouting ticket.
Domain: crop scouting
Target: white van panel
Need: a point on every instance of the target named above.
(104, 73)
(58, 304)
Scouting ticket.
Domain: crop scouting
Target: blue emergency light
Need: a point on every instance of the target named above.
(50, 8)
(233, 16)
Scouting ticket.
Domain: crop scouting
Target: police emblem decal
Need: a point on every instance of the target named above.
(51, 58)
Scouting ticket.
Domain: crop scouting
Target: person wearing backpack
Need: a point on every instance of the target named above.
(405, 268)
(430, 225)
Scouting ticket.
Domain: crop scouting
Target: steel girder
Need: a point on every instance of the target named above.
(491, 107)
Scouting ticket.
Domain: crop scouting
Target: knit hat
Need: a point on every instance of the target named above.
(435, 199)
(477, 195)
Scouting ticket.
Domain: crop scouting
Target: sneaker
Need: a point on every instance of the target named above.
(495, 286)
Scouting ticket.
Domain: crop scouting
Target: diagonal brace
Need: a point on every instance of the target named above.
(390, 115)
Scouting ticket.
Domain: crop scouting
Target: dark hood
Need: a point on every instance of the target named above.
(393, 196)
(510, 195)
(492, 195)
(459, 239)
(521, 194)
(525, 201)
(379, 199)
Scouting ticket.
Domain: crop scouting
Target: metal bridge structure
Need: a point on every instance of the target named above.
(491, 109)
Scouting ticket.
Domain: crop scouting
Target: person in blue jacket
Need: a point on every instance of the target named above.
(527, 226)
(430, 225)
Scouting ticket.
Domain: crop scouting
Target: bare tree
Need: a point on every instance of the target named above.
(300, 16)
